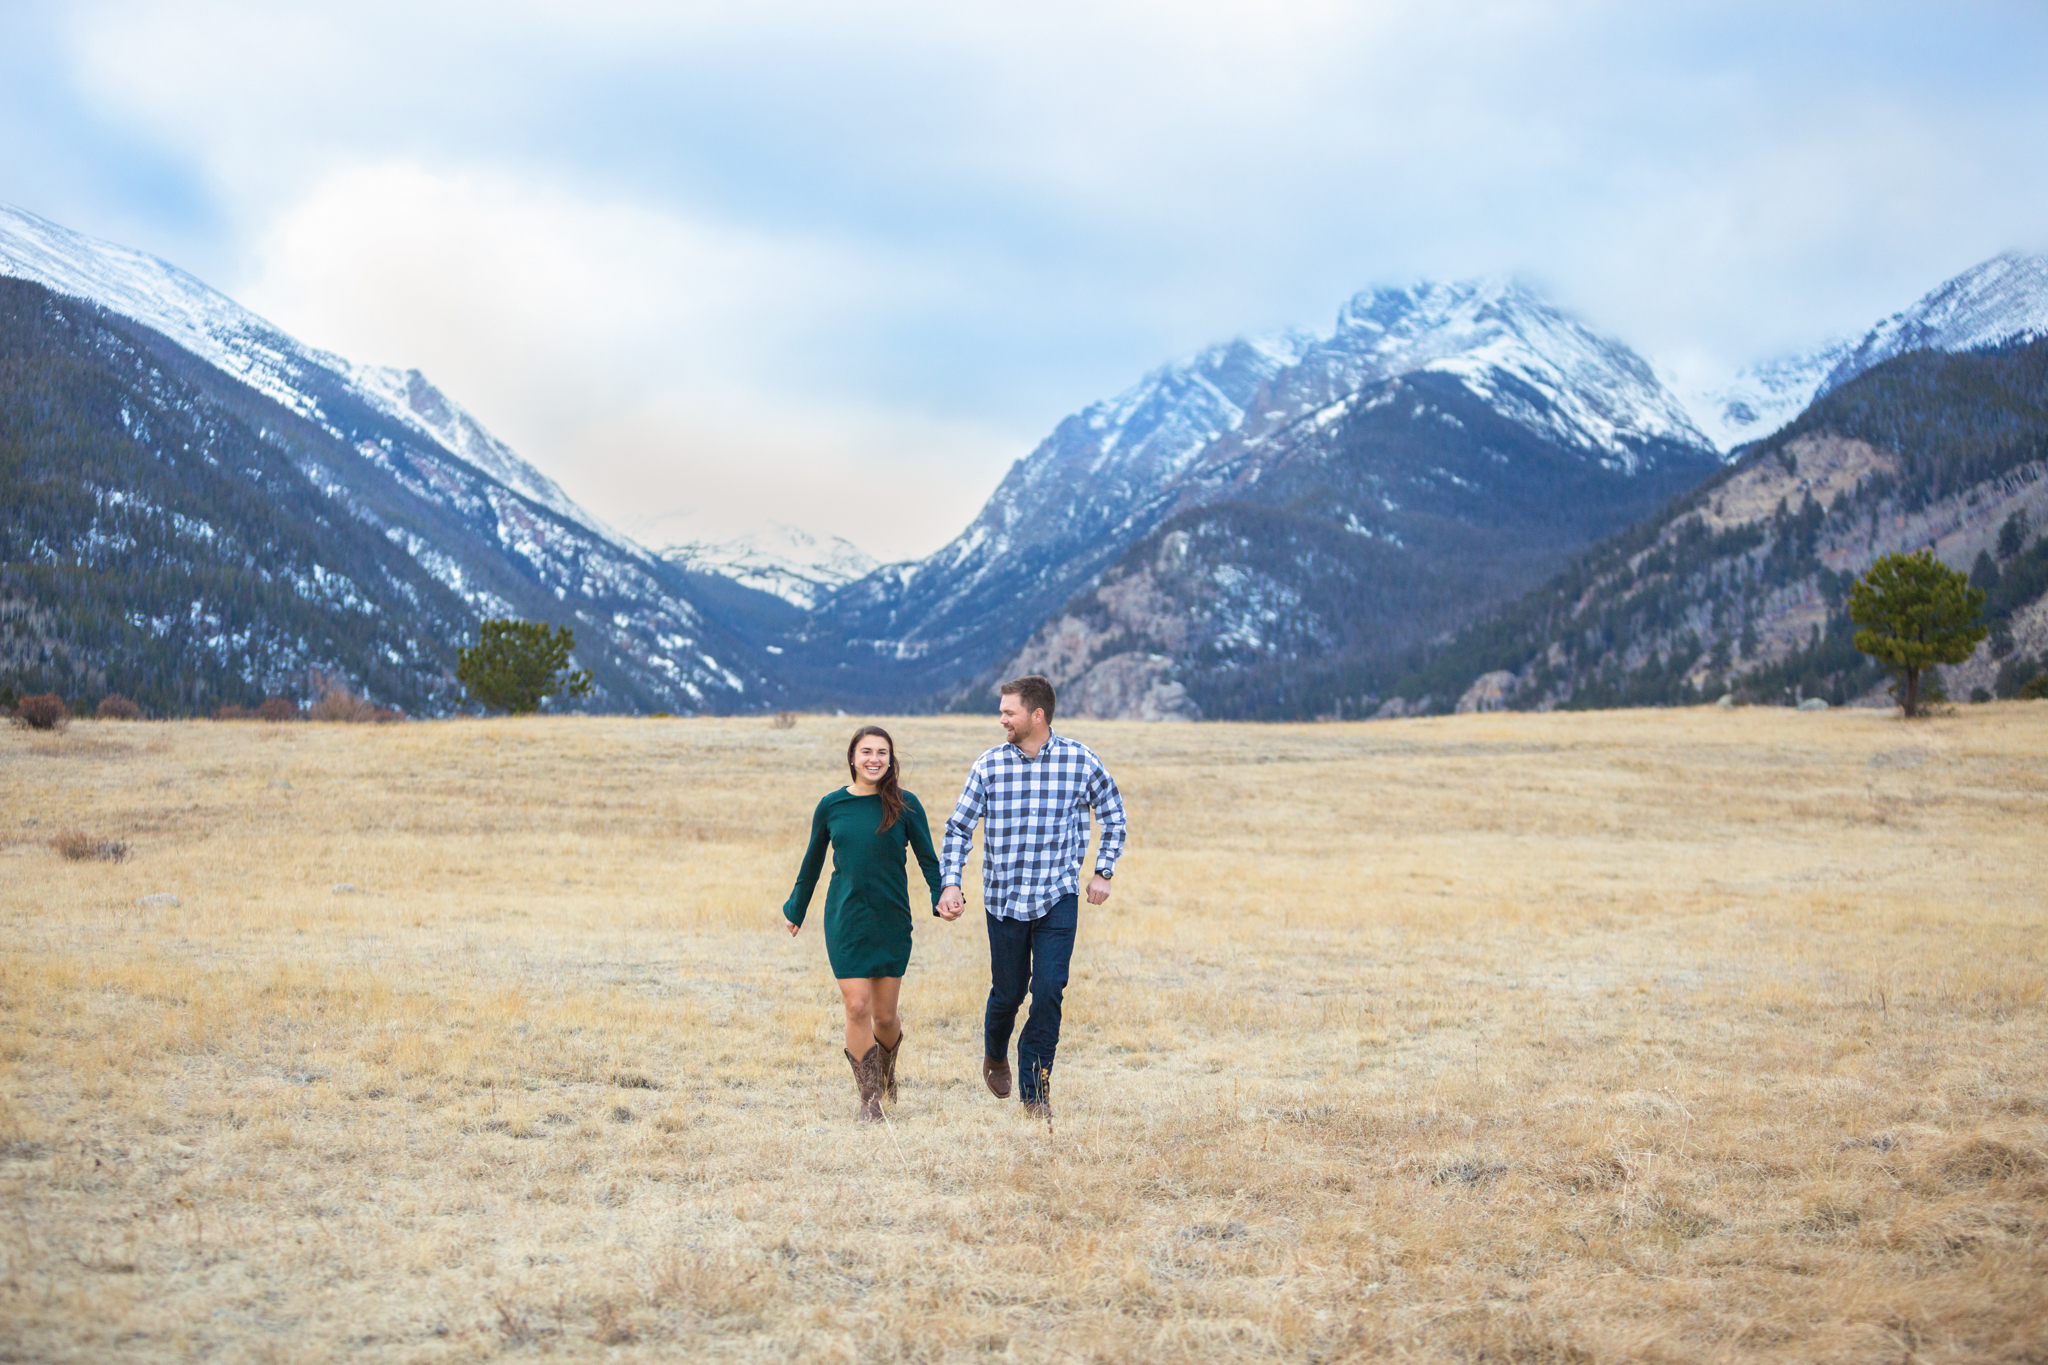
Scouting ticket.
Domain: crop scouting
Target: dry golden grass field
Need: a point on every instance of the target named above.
(1675, 1036)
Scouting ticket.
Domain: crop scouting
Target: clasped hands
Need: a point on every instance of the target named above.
(952, 901)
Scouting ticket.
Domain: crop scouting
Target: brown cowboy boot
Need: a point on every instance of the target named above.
(889, 1064)
(995, 1072)
(867, 1074)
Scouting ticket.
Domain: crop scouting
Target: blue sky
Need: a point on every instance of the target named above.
(838, 265)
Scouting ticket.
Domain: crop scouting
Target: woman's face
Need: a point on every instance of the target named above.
(871, 758)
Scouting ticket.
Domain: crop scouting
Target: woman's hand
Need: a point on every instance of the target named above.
(793, 927)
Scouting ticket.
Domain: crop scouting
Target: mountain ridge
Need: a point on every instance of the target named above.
(1246, 409)
(1441, 449)
(503, 536)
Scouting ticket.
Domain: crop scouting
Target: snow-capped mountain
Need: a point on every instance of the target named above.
(215, 328)
(1510, 350)
(798, 566)
(1501, 376)
(392, 451)
(1440, 451)
(2002, 299)
(1105, 476)
(1534, 364)
(1758, 399)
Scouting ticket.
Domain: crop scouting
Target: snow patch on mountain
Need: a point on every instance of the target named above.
(1758, 399)
(407, 395)
(2002, 299)
(801, 567)
(222, 332)
(1525, 357)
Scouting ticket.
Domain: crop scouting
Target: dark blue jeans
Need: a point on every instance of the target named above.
(1029, 954)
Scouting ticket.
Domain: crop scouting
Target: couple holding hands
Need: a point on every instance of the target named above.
(1032, 795)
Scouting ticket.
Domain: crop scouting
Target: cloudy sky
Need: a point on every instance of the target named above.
(837, 265)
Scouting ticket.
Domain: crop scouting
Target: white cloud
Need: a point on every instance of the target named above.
(674, 375)
(903, 237)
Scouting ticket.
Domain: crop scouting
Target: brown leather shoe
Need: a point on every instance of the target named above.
(889, 1065)
(867, 1074)
(995, 1072)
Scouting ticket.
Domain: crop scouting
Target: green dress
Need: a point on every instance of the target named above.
(867, 906)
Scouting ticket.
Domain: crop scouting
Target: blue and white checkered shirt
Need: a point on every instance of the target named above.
(1037, 830)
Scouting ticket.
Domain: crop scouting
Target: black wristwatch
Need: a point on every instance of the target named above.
(1109, 876)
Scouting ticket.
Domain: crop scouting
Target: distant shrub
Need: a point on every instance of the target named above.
(2035, 688)
(338, 703)
(80, 847)
(118, 707)
(279, 708)
(230, 711)
(385, 715)
(785, 720)
(46, 712)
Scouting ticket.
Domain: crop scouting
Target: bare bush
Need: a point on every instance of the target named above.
(118, 707)
(279, 708)
(338, 703)
(80, 847)
(386, 715)
(785, 720)
(46, 712)
(230, 711)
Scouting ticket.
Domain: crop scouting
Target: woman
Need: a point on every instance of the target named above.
(868, 824)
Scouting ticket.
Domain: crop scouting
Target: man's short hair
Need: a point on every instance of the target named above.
(1033, 693)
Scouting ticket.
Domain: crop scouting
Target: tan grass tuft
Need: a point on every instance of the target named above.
(75, 845)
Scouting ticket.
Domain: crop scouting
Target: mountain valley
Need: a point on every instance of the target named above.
(1459, 497)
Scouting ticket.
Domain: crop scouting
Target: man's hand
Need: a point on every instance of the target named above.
(951, 903)
(1098, 889)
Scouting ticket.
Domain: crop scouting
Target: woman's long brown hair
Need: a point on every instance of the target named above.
(887, 788)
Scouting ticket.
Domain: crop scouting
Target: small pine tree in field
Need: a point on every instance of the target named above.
(516, 665)
(1915, 612)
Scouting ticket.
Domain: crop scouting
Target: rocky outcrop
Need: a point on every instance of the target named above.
(1129, 686)
(1488, 692)
(1110, 653)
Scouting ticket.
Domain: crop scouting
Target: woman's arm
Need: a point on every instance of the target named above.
(799, 900)
(920, 831)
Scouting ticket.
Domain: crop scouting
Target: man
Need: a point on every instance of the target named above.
(1035, 793)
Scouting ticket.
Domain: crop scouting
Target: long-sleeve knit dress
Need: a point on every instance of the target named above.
(867, 905)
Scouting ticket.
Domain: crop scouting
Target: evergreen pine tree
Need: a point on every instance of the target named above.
(516, 665)
(1915, 612)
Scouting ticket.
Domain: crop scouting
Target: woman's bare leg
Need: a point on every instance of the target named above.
(860, 1022)
(882, 1019)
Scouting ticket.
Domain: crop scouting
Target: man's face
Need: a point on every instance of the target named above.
(1016, 721)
